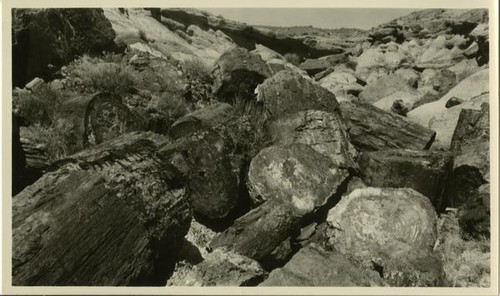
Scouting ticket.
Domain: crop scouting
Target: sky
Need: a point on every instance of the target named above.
(330, 18)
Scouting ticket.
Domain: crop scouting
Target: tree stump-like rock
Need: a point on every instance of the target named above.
(295, 174)
(111, 215)
(394, 229)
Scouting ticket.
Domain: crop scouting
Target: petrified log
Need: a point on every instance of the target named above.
(258, 233)
(295, 174)
(473, 126)
(392, 228)
(203, 158)
(471, 145)
(424, 171)
(288, 92)
(95, 119)
(313, 266)
(220, 268)
(237, 73)
(324, 132)
(371, 129)
(110, 215)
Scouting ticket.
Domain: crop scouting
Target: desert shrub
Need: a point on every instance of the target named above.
(56, 140)
(171, 107)
(251, 132)
(97, 74)
(37, 107)
(293, 58)
(199, 79)
(466, 263)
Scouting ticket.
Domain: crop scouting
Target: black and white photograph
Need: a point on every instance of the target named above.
(251, 147)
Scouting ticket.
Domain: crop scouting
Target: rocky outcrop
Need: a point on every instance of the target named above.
(247, 36)
(112, 215)
(45, 39)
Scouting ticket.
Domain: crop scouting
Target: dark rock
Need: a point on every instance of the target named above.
(295, 174)
(395, 229)
(324, 132)
(372, 129)
(19, 177)
(220, 268)
(313, 266)
(314, 66)
(45, 39)
(474, 219)
(424, 171)
(453, 101)
(111, 215)
(288, 92)
(203, 158)
(473, 126)
(237, 74)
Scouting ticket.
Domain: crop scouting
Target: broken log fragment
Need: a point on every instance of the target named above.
(258, 233)
(111, 215)
(372, 129)
(424, 171)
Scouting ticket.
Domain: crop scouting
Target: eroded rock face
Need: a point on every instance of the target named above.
(237, 73)
(383, 87)
(324, 132)
(387, 227)
(295, 174)
(220, 268)
(313, 266)
(288, 92)
(55, 36)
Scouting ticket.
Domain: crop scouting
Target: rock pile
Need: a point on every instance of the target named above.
(330, 172)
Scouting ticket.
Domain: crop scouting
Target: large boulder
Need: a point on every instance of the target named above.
(424, 171)
(237, 73)
(295, 174)
(434, 84)
(314, 66)
(395, 229)
(220, 268)
(276, 61)
(45, 39)
(399, 102)
(288, 92)
(313, 266)
(324, 132)
(443, 52)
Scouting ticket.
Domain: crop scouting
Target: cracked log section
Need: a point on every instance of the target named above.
(110, 215)
(372, 129)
